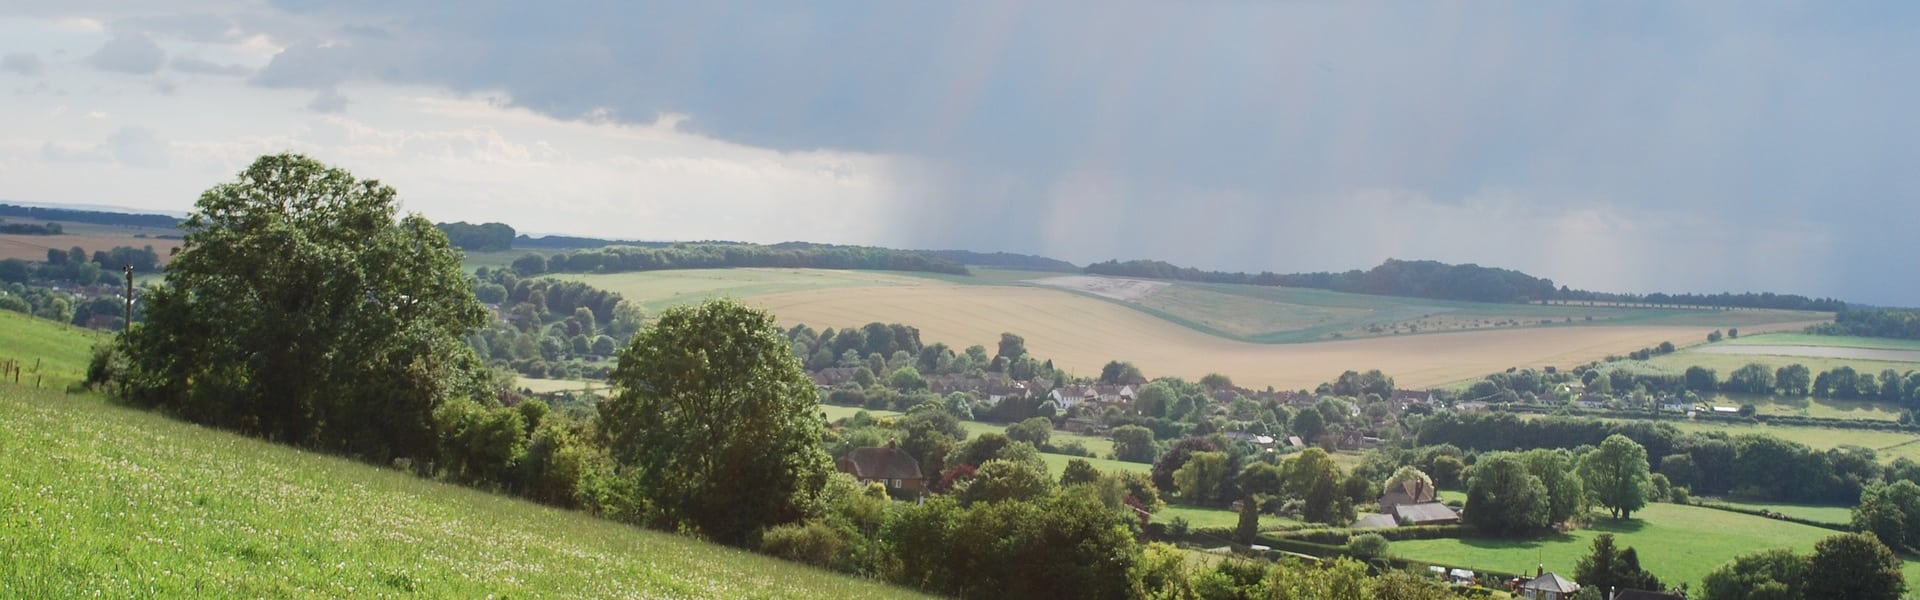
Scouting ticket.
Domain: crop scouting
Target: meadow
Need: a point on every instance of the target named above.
(1677, 543)
(1825, 341)
(1840, 515)
(61, 351)
(106, 501)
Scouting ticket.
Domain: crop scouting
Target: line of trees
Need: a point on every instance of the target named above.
(1900, 323)
(1413, 279)
(31, 229)
(619, 259)
(1753, 466)
(39, 213)
(485, 237)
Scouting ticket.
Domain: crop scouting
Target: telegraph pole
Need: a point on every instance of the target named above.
(129, 325)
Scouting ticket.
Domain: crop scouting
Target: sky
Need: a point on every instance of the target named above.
(1618, 146)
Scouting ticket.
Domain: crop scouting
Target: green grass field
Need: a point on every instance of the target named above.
(62, 351)
(1677, 543)
(1724, 364)
(99, 500)
(1813, 512)
(1217, 517)
(1834, 341)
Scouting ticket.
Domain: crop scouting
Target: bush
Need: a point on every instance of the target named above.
(1368, 546)
(813, 543)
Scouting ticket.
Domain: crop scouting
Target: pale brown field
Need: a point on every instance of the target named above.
(89, 237)
(1081, 334)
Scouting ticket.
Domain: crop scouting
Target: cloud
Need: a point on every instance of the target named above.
(328, 101)
(23, 63)
(195, 66)
(138, 147)
(132, 53)
(196, 27)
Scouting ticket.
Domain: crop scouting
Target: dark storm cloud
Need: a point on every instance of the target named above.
(1277, 136)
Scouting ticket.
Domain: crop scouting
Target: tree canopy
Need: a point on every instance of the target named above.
(302, 311)
(716, 422)
(1617, 475)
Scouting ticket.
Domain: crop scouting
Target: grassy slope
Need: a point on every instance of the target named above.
(1815, 512)
(1677, 543)
(63, 350)
(123, 503)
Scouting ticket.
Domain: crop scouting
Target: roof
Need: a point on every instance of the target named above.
(1551, 582)
(1425, 512)
(1408, 492)
(881, 462)
(1376, 521)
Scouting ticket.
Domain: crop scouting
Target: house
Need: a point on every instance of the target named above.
(1426, 513)
(1070, 396)
(887, 464)
(833, 376)
(1114, 394)
(1408, 492)
(1726, 410)
(1548, 586)
(1296, 442)
(1471, 407)
(1674, 405)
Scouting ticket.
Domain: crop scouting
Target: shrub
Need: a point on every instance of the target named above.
(813, 543)
(1368, 546)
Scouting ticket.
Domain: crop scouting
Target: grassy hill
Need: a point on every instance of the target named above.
(102, 500)
(62, 351)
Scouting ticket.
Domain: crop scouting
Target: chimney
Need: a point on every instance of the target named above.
(1540, 570)
(893, 443)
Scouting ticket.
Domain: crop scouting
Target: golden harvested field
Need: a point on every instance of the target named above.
(1081, 333)
(88, 236)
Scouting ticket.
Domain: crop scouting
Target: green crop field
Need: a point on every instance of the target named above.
(60, 351)
(1677, 543)
(99, 500)
(1724, 364)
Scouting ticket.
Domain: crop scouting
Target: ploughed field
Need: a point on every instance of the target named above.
(1284, 337)
(99, 500)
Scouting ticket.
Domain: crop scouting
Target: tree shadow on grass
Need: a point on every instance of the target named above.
(1618, 525)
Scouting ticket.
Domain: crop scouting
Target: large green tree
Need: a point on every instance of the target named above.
(716, 421)
(301, 310)
(1617, 475)
(1504, 498)
(1776, 574)
(1565, 492)
(1854, 566)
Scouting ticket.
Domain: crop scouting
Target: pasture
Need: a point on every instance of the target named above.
(1677, 543)
(1826, 341)
(61, 351)
(1081, 333)
(106, 501)
(88, 236)
(1888, 444)
(1812, 512)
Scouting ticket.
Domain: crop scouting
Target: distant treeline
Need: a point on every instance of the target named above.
(30, 229)
(1902, 323)
(88, 216)
(484, 237)
(1413, 279)
(1441, 281)
(617, 259)
(1005, 260)
(1756, 466)
(1723, 299)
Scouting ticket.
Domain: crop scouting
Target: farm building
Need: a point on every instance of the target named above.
(1408, 492)
(1548, 586)
(1426, 513)
(887, 464)
(1376, 521)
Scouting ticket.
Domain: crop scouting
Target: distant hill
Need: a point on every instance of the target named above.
(1004, 260)
(1442, 281)
(41, 213)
